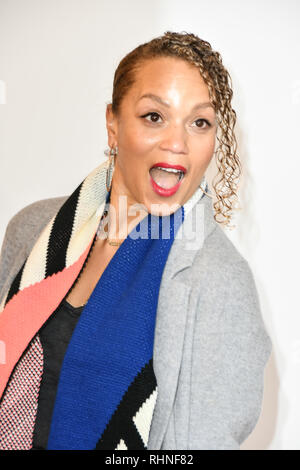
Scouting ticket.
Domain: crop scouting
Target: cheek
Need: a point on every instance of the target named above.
(134, 152)
(204, 150)
(135, 141)
(210, 150)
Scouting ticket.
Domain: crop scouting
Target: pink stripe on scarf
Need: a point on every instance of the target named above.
(28, 310)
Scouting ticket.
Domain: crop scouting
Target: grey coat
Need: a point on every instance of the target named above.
(210, 345)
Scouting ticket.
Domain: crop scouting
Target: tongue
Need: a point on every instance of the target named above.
(163, 178)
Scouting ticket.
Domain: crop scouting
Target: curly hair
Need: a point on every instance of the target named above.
(196, 51)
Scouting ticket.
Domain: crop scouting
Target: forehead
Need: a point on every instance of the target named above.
(164, 73)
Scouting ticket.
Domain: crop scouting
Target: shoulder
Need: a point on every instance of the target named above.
(220, 261)
(227, 286)
(22, 231)
(232, 267)
(27, 223)
(226, 282)
(35, 214)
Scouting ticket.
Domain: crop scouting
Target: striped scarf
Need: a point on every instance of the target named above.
(107, 389)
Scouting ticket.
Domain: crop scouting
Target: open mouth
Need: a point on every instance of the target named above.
(166, 178)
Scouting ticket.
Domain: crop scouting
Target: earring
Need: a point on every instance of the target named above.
(111, 166)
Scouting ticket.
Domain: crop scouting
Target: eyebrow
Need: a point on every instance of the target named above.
(164, 103)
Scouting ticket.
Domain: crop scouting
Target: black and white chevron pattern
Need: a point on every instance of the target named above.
(129, 427)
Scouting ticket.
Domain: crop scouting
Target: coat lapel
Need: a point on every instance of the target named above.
(173, 306)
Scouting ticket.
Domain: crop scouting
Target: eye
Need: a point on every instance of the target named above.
(154, 115)
(202, 121)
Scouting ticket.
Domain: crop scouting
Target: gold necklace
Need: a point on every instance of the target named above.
(113, 243)
(103, 224)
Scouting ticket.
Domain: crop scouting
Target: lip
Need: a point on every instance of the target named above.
(163, 191)
(168, 165)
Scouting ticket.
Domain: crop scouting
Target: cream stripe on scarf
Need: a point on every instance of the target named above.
(35, 266)
(93, 204)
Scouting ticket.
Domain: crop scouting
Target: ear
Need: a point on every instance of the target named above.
(111, 126)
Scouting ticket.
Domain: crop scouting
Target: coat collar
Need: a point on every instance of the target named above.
(197, 225)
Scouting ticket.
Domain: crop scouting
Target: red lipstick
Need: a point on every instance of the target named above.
(163, 191)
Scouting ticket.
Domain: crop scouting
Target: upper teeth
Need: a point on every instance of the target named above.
(172, 170)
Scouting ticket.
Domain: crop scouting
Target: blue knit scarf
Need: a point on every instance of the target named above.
(107, 374)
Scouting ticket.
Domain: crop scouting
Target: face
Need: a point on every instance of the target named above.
(166, 119)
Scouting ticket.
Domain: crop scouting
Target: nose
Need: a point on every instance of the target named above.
(174, 139)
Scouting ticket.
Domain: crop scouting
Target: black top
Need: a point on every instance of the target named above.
(55, 335)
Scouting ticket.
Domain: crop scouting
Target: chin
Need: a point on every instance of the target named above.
(163, 209)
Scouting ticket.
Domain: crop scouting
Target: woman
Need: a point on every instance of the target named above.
(122, 331)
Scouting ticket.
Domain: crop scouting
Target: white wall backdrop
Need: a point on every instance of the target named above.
(57, 59)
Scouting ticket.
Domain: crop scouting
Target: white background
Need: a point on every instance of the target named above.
(57, 59)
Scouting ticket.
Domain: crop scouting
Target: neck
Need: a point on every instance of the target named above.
(122, 219)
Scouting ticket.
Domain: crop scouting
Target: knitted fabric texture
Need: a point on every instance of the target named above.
(107, 389)
(19, 405)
